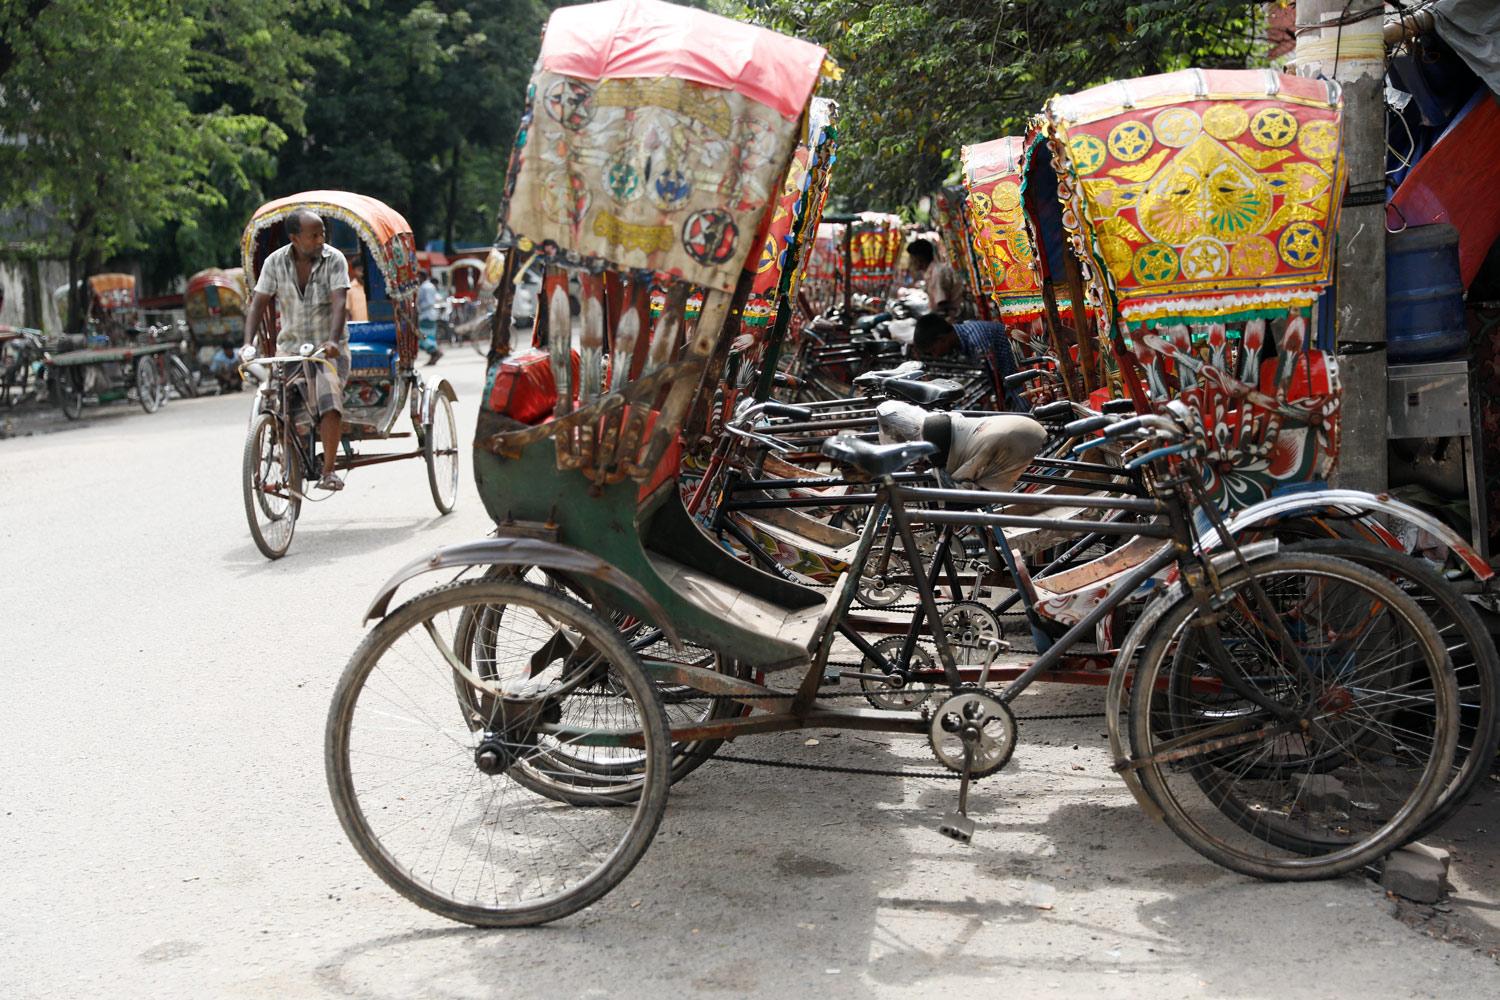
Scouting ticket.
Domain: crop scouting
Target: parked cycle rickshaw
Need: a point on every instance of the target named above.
(214, 303)
(281, 449)
(499, 748)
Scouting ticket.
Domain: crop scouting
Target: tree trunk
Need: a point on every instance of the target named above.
(450, 212)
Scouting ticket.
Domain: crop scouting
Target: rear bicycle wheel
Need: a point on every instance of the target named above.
(440, 452)
(424, 786)
(181, 378)
(587, 776)
(1364, 759)
(67, 390)
(150, 387)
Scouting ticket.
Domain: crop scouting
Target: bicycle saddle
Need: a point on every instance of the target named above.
(875, 460)
(936, 393)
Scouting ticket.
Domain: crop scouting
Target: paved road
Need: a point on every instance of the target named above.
(167, 832)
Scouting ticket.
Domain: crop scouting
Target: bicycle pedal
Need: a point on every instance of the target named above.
(957, 826)
(831, 679)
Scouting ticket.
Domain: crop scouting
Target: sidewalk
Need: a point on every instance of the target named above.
(1470, 914)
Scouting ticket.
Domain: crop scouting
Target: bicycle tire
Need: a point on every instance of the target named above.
(430, 612)
(1155, 722)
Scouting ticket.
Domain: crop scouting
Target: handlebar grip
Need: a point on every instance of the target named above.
(1123, 427)
(1156, 453)
(1089, 445)
(1118, 406)
(1035, 359)
(773, 409)
(1087, 425)
(783, 379)
(1051, 412)
(1021, 378)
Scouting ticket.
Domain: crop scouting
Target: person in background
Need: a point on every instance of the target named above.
(308, 281)
(934, 338)
(224, 366)
(945, 292)
(358, 306)
(427, 317)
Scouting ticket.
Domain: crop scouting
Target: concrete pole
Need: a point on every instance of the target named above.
(1354, 55)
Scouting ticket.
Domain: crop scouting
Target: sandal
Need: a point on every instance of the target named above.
(331, 482)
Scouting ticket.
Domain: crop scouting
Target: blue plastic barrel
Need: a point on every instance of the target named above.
(1424, 295)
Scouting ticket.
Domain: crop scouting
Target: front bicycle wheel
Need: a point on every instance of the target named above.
(271, 477)
(424, 784)
(1304, 769)
(1471, 651)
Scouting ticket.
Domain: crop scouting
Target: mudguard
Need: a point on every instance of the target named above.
(1115, 692)
(1355, 502)
(426, 400)
(528, 552)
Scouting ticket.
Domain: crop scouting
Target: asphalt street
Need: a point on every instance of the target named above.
(167, 830)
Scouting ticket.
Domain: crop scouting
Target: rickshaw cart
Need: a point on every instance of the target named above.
(281, 447)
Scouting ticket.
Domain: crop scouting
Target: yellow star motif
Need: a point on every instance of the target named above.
(1087, 152)
(1274, 127)
(1130, 140)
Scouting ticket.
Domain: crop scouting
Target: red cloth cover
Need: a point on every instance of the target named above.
(647, 38)
(524, 389)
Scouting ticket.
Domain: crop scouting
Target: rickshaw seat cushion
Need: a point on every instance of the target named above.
(875, 459)
(362, 332)
(524, 388)
(372, 360)
(985, 453)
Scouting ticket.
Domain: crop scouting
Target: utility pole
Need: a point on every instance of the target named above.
(1354, 55)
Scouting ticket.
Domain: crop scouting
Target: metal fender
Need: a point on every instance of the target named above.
(527, 552)
(1354, 502)
(1115, 693)
(430, 395)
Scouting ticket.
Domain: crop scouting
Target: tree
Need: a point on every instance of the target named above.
(425, 116)
(922, 77)
(111, 121)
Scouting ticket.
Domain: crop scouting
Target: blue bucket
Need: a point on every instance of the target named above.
(1424, 295)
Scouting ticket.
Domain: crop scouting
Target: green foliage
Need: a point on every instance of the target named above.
(120, 117)
(923, 77)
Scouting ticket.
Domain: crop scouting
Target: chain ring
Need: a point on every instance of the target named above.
(993, 722)
(970, 627)
(877, 592)
(882, 694)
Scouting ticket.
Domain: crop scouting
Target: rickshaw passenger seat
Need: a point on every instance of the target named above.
(362, 332)
(874, 459)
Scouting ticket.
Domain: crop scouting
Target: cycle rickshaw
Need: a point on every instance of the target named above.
(281, 449)
(499, 748)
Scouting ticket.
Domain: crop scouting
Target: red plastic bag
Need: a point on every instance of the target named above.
(524, 389)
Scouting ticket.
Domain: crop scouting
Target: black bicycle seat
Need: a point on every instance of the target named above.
(874, 459)
(936, 393)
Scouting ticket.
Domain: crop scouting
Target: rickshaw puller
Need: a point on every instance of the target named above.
(309, 281)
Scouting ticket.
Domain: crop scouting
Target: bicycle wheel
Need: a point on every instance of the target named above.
(1471, 651)
(582, 775)
(425, 787)
(1363, 758)
(67, 390)
(150, 387)
(440, 450)
(271, 476)
(181, 378)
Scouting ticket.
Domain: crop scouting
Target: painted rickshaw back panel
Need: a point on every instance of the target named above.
(656, 144)
(1202, 207)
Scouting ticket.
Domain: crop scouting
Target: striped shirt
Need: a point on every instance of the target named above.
(306, 315)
